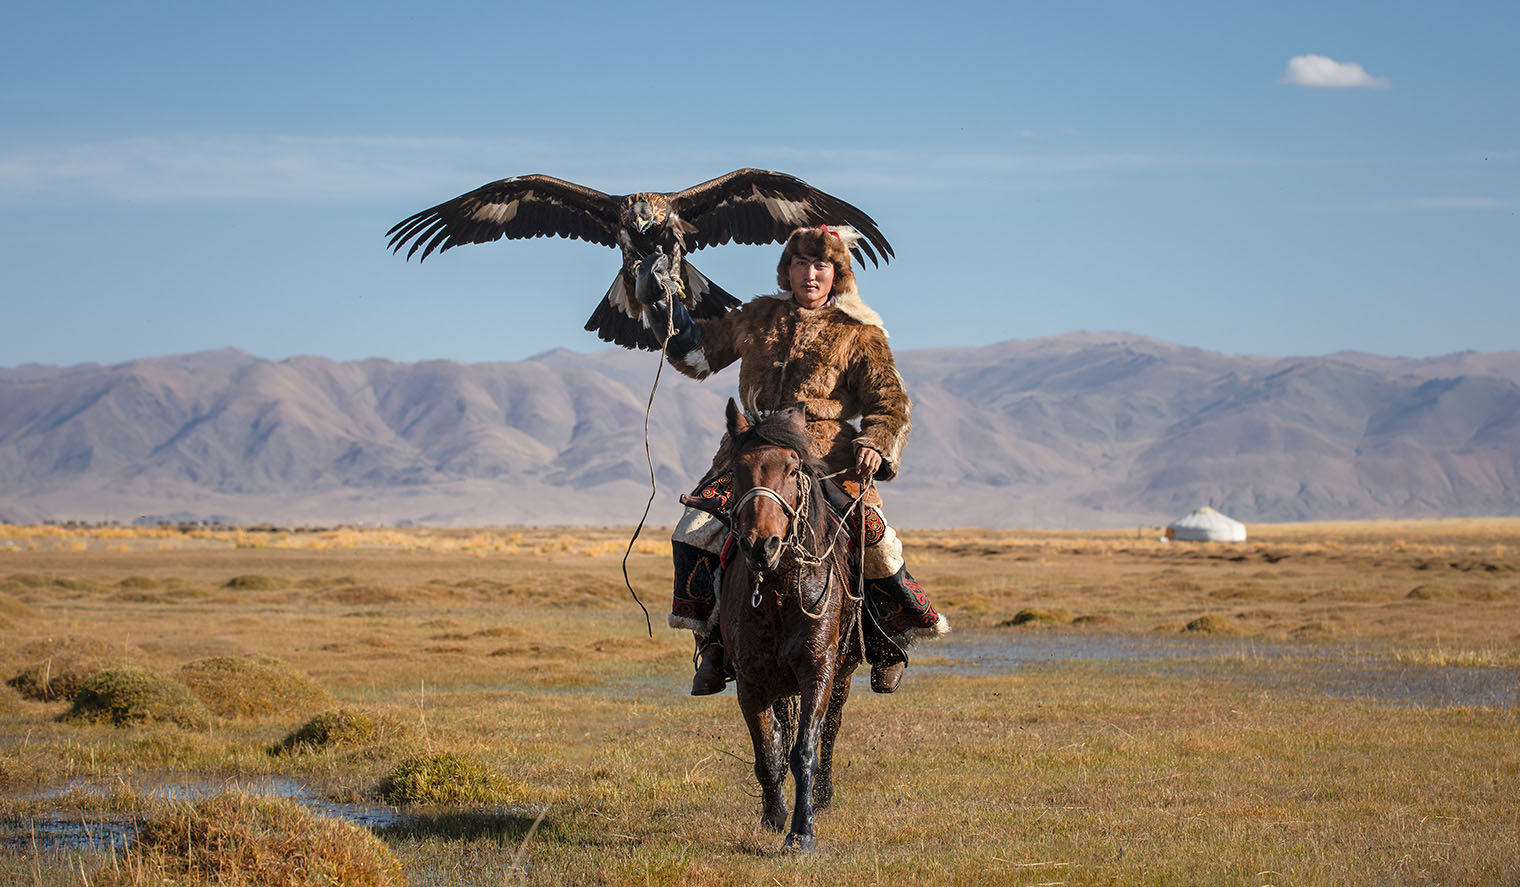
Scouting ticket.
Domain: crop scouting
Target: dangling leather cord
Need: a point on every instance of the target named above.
(654, 487)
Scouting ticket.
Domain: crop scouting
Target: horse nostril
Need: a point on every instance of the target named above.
(771, 548)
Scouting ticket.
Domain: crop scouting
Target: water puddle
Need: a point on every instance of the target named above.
(94, 830)
(1285, 667)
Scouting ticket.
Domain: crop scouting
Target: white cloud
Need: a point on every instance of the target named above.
(180, 168)
(191, 168)
(1320, 71)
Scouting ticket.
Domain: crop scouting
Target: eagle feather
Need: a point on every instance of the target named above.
(750, 206)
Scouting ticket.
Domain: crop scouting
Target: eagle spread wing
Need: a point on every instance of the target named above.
(758, 206)
(751, 206)
(515, 208)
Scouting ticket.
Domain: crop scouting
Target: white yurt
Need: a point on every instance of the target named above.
(1207, 525)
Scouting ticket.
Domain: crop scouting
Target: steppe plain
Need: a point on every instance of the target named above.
(1324, 704)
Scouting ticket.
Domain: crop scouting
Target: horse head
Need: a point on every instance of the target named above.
(772, 472)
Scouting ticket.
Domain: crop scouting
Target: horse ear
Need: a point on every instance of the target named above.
(736, 421)
(797, 415)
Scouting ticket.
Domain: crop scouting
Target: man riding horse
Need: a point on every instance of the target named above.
(815, 342)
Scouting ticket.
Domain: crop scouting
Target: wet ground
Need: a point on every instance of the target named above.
(1301, 669)
(1298, 669)
(68, 830)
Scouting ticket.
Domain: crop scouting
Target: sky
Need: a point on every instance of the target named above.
(1269, 178)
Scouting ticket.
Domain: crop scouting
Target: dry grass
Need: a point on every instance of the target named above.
(236, 840)
(56, 668)
(252, 687)
(533, 541)
(531, 663)
(10, 700)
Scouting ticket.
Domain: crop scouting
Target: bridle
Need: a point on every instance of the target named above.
(793, 525)
(801, 553)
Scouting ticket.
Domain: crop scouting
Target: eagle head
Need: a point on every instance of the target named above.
(644, 211)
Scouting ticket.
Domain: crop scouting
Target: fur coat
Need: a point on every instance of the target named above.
(835, 359)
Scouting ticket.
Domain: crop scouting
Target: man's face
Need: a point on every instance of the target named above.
(812, 280)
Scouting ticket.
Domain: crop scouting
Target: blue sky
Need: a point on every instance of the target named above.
(179, 177)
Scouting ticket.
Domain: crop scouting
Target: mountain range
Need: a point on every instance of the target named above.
(1077, 430)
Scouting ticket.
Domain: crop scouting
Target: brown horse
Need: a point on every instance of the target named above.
(786, 610)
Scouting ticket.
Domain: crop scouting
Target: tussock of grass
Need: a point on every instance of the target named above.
(27, 580)
(10, 700)
(78, 585)
(142, 582)
(252, 686)
(445, 778)
(58, 669)
(1213, 623)
(1054, 616)
(366, 595)
(337, 728)
(14, 609)
(323, 581)
(237, 840)
(254, 582)
(131, 695)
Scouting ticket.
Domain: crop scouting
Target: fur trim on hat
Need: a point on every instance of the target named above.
(825, 242)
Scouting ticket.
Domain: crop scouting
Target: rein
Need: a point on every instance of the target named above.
(801, 554)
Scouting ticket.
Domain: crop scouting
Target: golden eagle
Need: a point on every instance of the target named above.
(746, 206)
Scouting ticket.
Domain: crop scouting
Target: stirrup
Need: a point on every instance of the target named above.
(709, 678)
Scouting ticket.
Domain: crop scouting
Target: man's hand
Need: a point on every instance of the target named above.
(867, 461)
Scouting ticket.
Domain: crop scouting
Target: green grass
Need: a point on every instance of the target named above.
(446, 778)
(339, 728)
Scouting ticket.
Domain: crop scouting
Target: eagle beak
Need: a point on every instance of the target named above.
(642, 223)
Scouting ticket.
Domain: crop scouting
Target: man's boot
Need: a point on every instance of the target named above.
(710, 677)
(885, 678)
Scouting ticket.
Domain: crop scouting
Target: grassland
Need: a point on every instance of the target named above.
(517, 657)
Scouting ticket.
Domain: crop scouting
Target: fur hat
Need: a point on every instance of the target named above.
(823, 242)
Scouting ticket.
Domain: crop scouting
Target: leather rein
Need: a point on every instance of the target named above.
(803, 556)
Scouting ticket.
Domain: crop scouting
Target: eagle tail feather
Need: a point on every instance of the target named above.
(612, 323)
(703, 297)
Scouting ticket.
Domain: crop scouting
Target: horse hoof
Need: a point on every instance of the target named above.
(801, 843)
(776, 823)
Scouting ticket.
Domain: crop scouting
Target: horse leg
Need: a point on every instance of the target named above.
(823, 784)
(812, 712)
(769, 767)
(785, 710)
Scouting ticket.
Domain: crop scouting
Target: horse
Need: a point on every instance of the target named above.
(788, 611)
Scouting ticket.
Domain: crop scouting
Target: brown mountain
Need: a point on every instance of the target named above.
(1086, 429)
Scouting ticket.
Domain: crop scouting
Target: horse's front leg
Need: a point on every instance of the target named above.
(813, 711)
(823, 783)
(769, 767)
